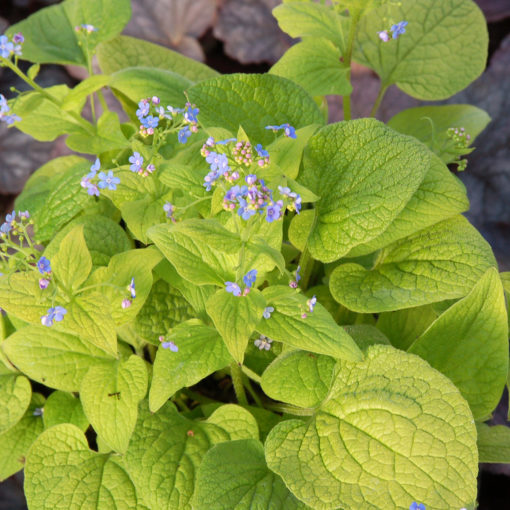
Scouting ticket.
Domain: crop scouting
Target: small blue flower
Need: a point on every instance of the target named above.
(131, 288)
(289, 131)
(136, 161)
(44, 283)
(245, 211)
(150, 122)
(94, 168)
(273, 128)
(108, 181)
(268, 310)
(311, 303)
(225, 142)
(218, 162)
(5, 228)
(233, 288)
(273, 212)
(417, 506)
(170, 345)
(143, 109)
(9, 218)
(399, 29)
(263, 343)
(55, 314)
(249, 278)
(384, 36)
(6, 47)
(92, 189)
(44, 265)
(298, 277)
(184, 134)
(169, 209)
(261, 151)
(251, 179)
(190, 114)
(18, 38)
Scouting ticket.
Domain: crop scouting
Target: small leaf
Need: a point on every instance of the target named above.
(74, 100)
(15, 394)
(110, 400)
(201, 352)
(57, 360)
(234, 474)
(469, 344)
(236, 421)
(62, 407)
(392, 430)
(236, 318)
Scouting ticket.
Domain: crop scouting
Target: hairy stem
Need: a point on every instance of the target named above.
(378, 100)
(237, 379)
(288, 409)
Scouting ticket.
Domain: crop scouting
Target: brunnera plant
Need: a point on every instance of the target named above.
(237, 305)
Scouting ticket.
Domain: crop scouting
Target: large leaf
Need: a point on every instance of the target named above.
(469, 344)
(50, 35)
(235, 475)
(15, 394)
(438, 263)
(63, 473)
(315, 65)
(365, 173)
(235, 318)
(493, 443)
(392, 430)
(254, 101)
(201, 352)
(300, 378)
(110, 397)
(52, 358)
(440, 196)
(443, 50)
(317, 332)
(124, 51)
(164, 455)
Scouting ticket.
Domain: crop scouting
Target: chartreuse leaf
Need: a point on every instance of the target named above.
(110, 399)
(234, 475)
(493, 443)
(365, 173)
(191, 256)
(164, 308)
(238, 422)
(15, 442)
(164, 454)
(201, 352)
(134, 82)
(50, 35)
(73, 263)
(438, 263)
(315, 65)
(443, 50)
(440, 196)
(124, 51)
(307, 19)
(15, 394)
(104, 238)
(21, 297)
(254, 102)
(131, 187)
(235, 318)
(61, 472)
(317, 332)
(42, 118)
(469, 344)
(299, 377)
(57, 360)
(403, 327)
(74, 100)
(430, 124)
(62, 407)
(391, 431)
(366, 335)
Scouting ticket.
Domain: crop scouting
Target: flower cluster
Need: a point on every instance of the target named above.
(288, 130)
(126, 303)
(396, 30)
(168, 345)
(460, 141)
(54, 314)
(294, 198)
(136, 161)
(11, 225)
(5, 115)
(105, 180)
(151, 116)
(263, 343)
(85, 29)
(248, 279)
(44, 267)
(13, 47)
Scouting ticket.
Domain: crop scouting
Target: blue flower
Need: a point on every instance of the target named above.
(273, 128)
(184, 134)
(218, 162)
(268, 310)
(92, 189)
(44, 283)
(6, 47)
(150, 122)
(143, 109)
(108, 180)
(95, 167)
(298, 277)
(55, 314)
(245, 211)
(250, 277)
(261, 151)
(383, 35)
(233, 288)
(190, 114)
(273, 212)
(399, 29)
(18, 38)
(131, 288)
(225, 142)
(263, 343)
(169, 209)
(417, 506)
(288, 130)
(44, 266)
(5, 228)
(168, 345)
(311, 303)
(236, 191)
(9, 218)
(136, 161)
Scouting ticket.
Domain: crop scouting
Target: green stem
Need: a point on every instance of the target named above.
(306, 261)
(102, 100)
(193, 395)
(237, 379)
(287, 409)
(251, 374)
(347, 61)
(377, 103)
(251, 391)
